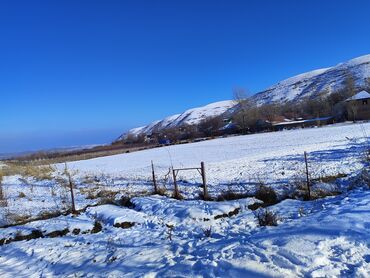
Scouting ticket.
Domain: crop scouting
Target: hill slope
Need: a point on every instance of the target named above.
(189, 117)
(307, 85)
(314, 83)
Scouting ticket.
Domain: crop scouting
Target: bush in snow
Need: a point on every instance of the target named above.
(21, 195)
(266, 194)
(207, 232)
(177, 195)
(230, 195)
(267, 218)
(161, 191)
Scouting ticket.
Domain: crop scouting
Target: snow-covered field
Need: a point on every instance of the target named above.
(156, 236)
(273, 158)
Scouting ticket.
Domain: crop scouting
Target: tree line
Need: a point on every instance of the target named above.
(249, 117)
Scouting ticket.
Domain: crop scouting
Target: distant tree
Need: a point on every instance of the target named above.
(211, 126)
(316, 108)
(243, 104)
(349, 86)
(352, 108)
(269, 112)
(367, 84)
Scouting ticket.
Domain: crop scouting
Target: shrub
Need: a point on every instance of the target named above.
(161, 191)
(177, 195)
(322, 193)
(267, 218)
(21, 195)
(125, 202)
(207, 232)
(205, 198)
(124, 225)
(266, 194)
(97, 227)
(230, 195)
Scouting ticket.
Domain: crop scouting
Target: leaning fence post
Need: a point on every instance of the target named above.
(203, 172)
(72, 195)
(307, 176)
(176, 193)
(70, 188)
(154, 179)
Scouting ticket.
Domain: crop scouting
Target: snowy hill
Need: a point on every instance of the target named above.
(314, 83)
(307, 85)
(189, 117)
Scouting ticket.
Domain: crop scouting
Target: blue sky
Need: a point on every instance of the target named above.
(82, 72)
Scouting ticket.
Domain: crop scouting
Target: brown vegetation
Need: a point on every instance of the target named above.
(267, 218)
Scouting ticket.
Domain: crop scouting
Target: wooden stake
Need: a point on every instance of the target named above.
(71, 188)
(203, 173)
(307, 176)
(154, 180)
(176, 193)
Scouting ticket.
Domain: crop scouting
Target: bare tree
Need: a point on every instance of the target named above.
(352, 108)
(349, 85)
(367, 82)
(243, 105)
(211, 126)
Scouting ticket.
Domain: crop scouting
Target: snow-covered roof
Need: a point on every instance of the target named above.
(360, 95)
(301, 121)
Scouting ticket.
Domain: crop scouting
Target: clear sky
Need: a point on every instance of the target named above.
(82, 72)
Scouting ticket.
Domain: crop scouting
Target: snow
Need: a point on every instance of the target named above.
(326, 237)
(317, 82)
(110, 214)
(196, 115)
(329, 239)
(360, 95)
(273, 157)
(292, 122)
(189, 117)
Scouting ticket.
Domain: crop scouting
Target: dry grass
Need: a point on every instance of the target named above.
(14, 218)
(230, 195)
(330, 178)
(98, 192)
(25, 170)
(320, 193)
(161, 191)
(3, 200)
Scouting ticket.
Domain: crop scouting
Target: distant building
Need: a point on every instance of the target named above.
(358, 106)
(302, 123)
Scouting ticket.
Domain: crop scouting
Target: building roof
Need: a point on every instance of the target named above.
(287, 123)
(360, 95)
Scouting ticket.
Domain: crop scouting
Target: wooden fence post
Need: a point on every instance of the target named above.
(176, 193)
(154, 180)
(72, 195)
(204, 180)
(307, 176)
(68, 174)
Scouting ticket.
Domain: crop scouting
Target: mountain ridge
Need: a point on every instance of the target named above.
(311, 84)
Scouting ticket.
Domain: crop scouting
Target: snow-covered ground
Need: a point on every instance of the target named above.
(156, 236)
(324, 238)
(273, 158)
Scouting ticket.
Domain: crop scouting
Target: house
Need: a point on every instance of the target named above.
(302, 123)
(358, 106)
